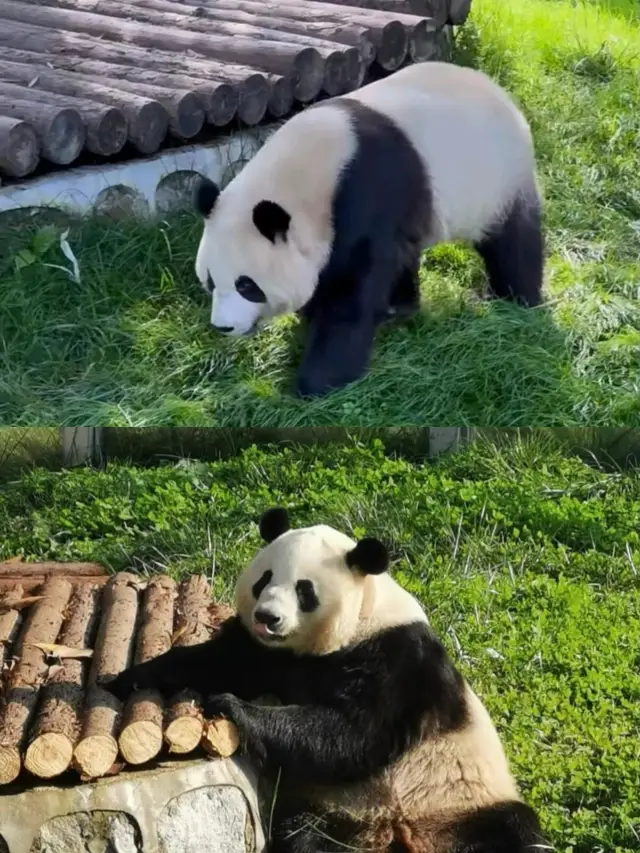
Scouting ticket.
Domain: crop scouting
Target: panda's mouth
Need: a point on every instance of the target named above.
(265, 633)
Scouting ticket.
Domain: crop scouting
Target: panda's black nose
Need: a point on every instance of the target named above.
(223, 329)
(271, 620)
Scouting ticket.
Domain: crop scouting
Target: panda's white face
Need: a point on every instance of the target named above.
(254, 265)
(300, 594)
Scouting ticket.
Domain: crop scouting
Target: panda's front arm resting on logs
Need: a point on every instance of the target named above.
(346, 715)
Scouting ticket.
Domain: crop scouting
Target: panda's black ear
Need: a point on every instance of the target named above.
(205, 197)
(271, 220)
(369, 556)
(274, 523)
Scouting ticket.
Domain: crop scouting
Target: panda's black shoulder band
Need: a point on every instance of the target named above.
(273, 523)
(205, 196)
(369, 556)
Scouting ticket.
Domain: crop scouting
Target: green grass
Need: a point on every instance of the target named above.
(526, 559)
(131, 344)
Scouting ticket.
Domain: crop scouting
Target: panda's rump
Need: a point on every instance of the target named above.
(475, 145)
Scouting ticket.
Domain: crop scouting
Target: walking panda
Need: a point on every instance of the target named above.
(331, 215)
(379, 741)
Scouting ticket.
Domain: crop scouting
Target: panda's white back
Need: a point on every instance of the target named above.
(473, 140)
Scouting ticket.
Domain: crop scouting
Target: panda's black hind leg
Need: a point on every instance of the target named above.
(513, 254)
(306, 831)
(510, 827)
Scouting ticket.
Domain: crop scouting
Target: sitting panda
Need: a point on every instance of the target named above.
(330, 217)
(379, 741)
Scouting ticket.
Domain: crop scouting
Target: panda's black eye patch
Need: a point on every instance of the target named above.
(307, 597)
(210, 283)
(264, 581)
(249, 290)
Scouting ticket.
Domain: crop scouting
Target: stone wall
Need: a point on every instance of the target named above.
(186, 807)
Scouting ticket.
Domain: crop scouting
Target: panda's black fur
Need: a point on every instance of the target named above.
(346, 717)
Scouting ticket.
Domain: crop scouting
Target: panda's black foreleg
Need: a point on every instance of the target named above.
(513, 254)
(405, 296)
(230, 661)
(309, 743)
(344, 316)
(337, 352)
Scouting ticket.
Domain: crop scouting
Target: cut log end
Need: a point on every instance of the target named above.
(184, 734)
(355, 69)
(222, 106)
(95, 755)
(281, 99)
(149, 127)
(307, 75)
(188, 115)
(110, 134)
(65, 137)
(19, 148)
(253, 96)
(220, 738)
(9, 764)
(140, 742)
(49, 755)
(392, 47)
(423, 41)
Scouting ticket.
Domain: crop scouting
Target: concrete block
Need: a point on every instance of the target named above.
(182, 807)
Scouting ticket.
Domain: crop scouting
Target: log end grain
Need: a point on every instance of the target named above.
(423, 40)
(392, 46)
(184, 734)
(110, 133)
(148, 127)
(253, 96)
(64, 137)
(95, 755)
(355, 69)
(9, 764)
(188, 115)
(223, 104)
(19, 147)
(307, 75)
(220, 738)
(140, 741)
(280, 101)
(49, 755)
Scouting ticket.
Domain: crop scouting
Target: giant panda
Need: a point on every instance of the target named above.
(378, 743)
(330, 217)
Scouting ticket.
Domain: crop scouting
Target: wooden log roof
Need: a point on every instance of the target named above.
(101, 79)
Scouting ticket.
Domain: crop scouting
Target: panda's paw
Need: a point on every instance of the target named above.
(122, 686)
(224, 705)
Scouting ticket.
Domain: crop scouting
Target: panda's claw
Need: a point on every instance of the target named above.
(223, 705)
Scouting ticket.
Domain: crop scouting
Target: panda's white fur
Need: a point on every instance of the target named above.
(380, 743)
(352, 606)
(472, 140)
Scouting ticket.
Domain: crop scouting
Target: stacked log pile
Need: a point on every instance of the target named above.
(64, 627)
(100, 74)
